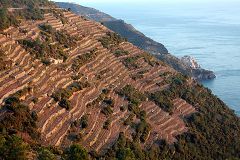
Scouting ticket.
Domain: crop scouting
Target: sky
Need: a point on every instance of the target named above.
(99, 4)
(144, 1)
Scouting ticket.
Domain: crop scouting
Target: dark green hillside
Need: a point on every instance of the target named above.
(28, 9)
(214, 132)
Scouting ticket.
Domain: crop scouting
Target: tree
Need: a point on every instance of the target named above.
(125, 154)
(13, 147)
(76, 152)
(45, 154)
(3, 18)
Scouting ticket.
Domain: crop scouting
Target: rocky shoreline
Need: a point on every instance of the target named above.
(198, 72)
(188, 66)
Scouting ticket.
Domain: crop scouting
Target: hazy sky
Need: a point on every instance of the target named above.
(150, 3)
(144, 1)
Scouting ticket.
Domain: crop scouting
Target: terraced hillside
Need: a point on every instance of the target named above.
(87, 85)
(110, 67)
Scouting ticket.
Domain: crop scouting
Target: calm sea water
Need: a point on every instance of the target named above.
(207, 31)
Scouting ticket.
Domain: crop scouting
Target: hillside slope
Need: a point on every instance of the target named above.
(140, 40)
(70, 81)
(118, 26)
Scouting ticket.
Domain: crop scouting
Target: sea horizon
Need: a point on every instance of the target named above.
(209, 33)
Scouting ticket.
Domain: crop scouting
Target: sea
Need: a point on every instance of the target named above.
(209, 31)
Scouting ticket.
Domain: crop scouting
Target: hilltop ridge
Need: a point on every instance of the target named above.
(71, 88)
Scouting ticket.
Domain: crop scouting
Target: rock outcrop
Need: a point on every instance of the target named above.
(187, 66)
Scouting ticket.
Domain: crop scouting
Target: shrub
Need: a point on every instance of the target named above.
(133, 95)
(76, 152)
(111, 39)
(62, 95)
(7, 19)
(35, 100)
(163, 99)
(65, 103)
(107, 124)
(13, 147)
(120, 52)
(107, 111)
(46, 154)
(129, 120)
(109, 102)
(83, 59)
(45, 61)
(18, 118)
(142, 131)
(84, 121)
(130, 62)
(123, 108)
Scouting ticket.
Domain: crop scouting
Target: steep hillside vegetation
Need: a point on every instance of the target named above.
(74, 89)
(139, 39)
(118, 26)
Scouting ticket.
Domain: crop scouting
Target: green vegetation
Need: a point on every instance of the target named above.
(42, 51)
(22, 92)
(12, 147)
(139, 75)
(150, 59)
(18, 119)
(4, 63)
(123, 108)
(62, 95)
(100, 75)
(77, 76)
(107, 124)
(163, 100)
(84, 121)
(7, 19)
(107, 111)
(63, 38)
(100, 98)
(59, 15)
(124, 149)
(142, 131)
(129, 120)
(46, 154)
(134, 97)
(52, 44)
(130, 62)
(83, 59)
(29, 12)
(65, 103)
(76, 152)
(165, 97)
(111, 39)
(108, 104)
(120, 52)
(213, 131)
